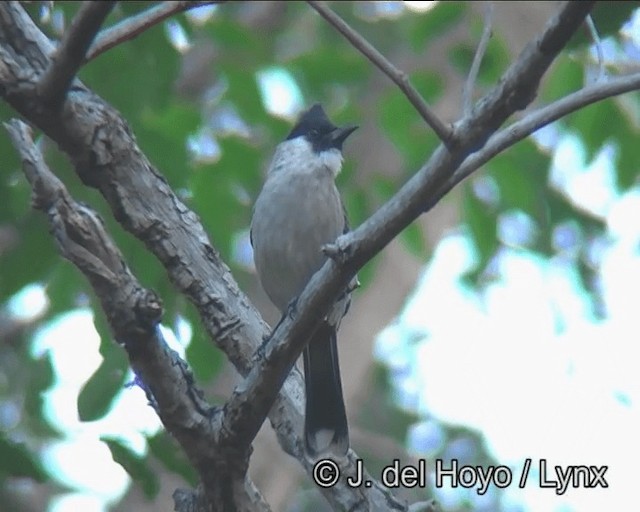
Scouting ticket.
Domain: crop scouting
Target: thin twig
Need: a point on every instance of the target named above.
(69, 56)
(467, 91)
(536, 120)
(515, 91)
(221, 312)
(397, 76)
(595, 37)
(133, 26)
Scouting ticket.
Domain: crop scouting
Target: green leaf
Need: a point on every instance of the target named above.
(413, 239)
(425, 27)
(521, 175)
(16, 460)
(40, 378)
(367, 273)
(64, 286)
(218, 192)
(317, 69)
(589, 123)
(461, 57)
(482, 222)
(565, 76)
(357, 204)
(628, 155)
(608, 18)
(216, 205)
(146, 69)
(605, 122)
(384, 187)
(30, 259)
(404, 127)
(430, 85)
(134, 465)
(205, 359)
(166, 450)
(14, 189)
(164, 136)
(243, 93)
(97, 395)
(232, 37)
(494, 63)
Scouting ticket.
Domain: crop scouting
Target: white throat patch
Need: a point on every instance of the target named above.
(332, 158)
(299, 155)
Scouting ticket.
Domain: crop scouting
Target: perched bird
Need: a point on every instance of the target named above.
(298, 211)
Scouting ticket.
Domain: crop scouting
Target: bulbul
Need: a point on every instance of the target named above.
(298, 211)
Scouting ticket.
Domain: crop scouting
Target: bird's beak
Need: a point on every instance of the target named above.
(339, 135)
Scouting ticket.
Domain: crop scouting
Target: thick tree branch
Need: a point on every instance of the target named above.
(134, 314)
(70, 54)
(398, 77)
(135, 25)
(360, 245)
(101, 147)
(105, 156)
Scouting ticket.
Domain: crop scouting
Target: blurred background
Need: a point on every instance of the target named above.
(498, 327)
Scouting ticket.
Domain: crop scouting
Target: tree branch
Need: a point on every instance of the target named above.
(595, 37)
(467, 91)
(134, 314)
(519, 85)
(536, 120)
(106, 157)
(134, 25)
(398, 77)
(358, 246)
(104, 153)
(69, 56)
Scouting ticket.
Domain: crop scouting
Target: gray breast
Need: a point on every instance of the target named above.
(294, 216)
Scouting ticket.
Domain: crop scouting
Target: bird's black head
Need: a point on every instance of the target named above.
(315, 126)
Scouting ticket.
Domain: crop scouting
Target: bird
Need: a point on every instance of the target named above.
(298, 212)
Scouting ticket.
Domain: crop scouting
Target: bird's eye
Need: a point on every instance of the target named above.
(313, 133)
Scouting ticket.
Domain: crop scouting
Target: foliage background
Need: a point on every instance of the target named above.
(201, 117)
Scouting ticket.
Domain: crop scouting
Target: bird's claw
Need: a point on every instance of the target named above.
(337, 250)
(331, 250)
(292, 308)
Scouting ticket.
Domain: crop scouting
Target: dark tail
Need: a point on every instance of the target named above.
(325, 428)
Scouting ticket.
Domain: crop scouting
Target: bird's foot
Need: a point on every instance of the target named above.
(338, 251)
(292, 308)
